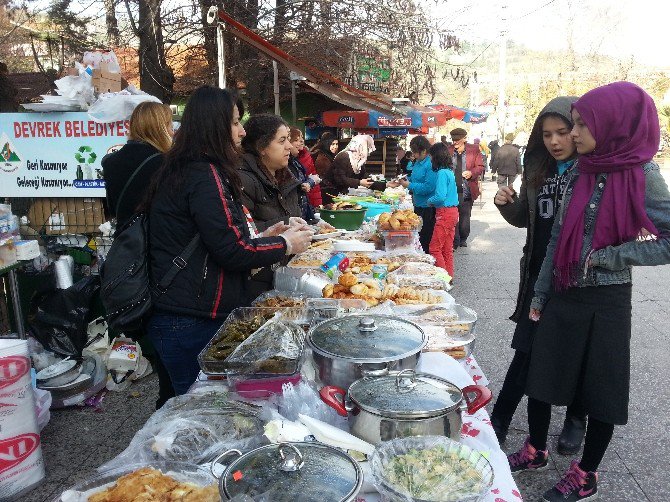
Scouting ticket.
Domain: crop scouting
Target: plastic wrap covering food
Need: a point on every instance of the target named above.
(142, 482)
(420, 275)
(238, 326)
(450, 328)
(279, 299)
(430, 468)
(275, 348)
(195, 436)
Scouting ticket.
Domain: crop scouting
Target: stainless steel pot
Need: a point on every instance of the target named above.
(291, 472)
(405, 404)
(348, 348)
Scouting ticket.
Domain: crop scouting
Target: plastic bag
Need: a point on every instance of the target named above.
(59, 317)
(276, 347)
(303, 399)
(112, 107)
(95, 58)
(420, 275)
(194, 436)
(430, 468)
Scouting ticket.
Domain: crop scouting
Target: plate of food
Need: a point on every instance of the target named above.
(151, 481)
(326, 235)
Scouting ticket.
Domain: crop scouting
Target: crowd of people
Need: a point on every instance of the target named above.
(592, 200)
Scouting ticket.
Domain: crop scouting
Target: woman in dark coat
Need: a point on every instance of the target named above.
(323, 154)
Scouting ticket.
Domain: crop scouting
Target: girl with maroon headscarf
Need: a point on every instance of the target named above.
(616, 214)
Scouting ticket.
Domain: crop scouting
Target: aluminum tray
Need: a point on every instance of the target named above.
(218, 367)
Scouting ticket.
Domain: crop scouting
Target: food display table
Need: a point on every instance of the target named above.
(354, 285)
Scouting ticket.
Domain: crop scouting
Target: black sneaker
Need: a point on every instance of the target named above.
(572, 435)
(528, 459)
(575, 485)
(464, 244)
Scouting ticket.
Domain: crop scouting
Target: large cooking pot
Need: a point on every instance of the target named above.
(291, 472)
(405, 404)
(351, 347)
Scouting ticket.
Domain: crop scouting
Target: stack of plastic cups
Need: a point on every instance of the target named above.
(21, 463)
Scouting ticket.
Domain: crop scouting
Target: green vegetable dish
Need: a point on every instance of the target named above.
(434, 474)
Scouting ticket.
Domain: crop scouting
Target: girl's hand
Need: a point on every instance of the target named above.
(275, 230)
(367, 183)
(392, 184)
(315, 178)
(503, 196)
(535, 315)
(467, 174)
(404, 183)
(305, 187)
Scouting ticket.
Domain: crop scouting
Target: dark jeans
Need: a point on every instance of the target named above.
(514, 388)
(427, 214)
(463, 229)
(178, 339)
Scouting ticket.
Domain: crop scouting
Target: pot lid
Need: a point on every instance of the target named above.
(293, 472)
(406, 394)
(367, 338)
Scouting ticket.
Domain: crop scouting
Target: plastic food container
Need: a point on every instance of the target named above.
(262, 388)
(375, 208)
(345, 219)
(428, 469)
(400, 240)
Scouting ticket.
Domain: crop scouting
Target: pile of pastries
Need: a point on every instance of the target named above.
(400, 219)
(350, 287)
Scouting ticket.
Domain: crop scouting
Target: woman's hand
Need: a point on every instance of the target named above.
(367, 183)
(294, 222)
(297, 239)
(535, 315)
(305, 187)
(467, 174)
(315, 178)
(275, 230)
(404, 183)
(392, 184)
(503, 196)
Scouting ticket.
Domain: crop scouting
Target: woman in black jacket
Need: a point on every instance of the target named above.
(149, 137)
(197, 193)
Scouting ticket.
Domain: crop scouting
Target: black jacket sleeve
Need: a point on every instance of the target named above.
(222, 230)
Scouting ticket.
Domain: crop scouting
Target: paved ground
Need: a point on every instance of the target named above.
(635, 469)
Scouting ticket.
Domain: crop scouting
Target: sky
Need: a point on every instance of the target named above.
(621, 28)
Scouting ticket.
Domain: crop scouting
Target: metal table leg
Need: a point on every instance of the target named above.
(16, 303)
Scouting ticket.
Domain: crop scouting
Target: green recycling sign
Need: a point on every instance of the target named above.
(82, 157)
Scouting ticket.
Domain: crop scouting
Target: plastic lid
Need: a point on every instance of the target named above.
(406, 394)
(292, 472)
(367, 338)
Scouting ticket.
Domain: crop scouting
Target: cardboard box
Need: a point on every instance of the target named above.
(59, 216)
(105, 81)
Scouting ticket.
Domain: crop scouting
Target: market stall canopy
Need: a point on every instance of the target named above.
(319, 80)
(462, 114)
(412, 117)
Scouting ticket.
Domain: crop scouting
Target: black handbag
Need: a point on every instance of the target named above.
(126, 290)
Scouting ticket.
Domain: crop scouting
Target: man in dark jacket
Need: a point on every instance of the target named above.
(507, 162)
(468, 167)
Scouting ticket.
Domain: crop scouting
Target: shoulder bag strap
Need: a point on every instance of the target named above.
(132, 177)
(179, 263)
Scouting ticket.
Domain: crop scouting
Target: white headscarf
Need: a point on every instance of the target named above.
(359, 148)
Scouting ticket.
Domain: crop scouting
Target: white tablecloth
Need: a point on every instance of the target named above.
(477, 432)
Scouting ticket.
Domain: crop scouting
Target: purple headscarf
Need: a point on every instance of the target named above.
(622, 119)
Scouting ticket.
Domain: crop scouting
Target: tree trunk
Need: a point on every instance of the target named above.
(209, 32)
(111, 23)
(156, 78)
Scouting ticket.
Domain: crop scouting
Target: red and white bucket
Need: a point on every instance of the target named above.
(21, 463)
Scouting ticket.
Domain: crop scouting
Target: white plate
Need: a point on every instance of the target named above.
(323, 237)
(56, 369)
